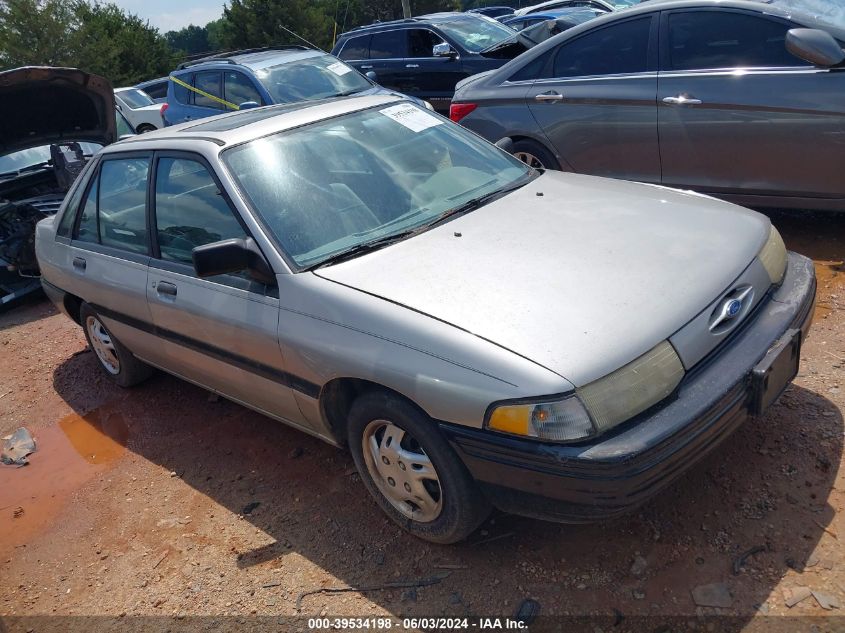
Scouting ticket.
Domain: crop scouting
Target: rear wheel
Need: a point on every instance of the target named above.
(146, 127)
(534, 155)
(115, 360)
(411, 471)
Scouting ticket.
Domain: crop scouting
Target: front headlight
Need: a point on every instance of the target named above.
(773, 256)
(598, 406)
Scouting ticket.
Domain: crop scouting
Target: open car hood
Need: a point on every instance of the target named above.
(41, 105)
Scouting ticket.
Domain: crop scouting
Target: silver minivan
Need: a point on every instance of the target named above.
(476, 332)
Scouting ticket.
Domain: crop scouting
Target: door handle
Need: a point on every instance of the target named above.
(165, 288)
(412, 65)
(79, 263)
(549, 96)
(681, 100)
(366, 67)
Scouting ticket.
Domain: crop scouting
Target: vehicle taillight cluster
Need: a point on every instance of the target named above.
(458, 111)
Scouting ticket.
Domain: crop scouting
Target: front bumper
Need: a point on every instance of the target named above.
(620, 471)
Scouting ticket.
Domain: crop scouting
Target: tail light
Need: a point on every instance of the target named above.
(164, 107)
(458, 111)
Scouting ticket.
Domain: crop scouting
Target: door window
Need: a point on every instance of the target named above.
(87, 231)
(727, 39)
(123, 204)
(389, 45)
(189, 209)
(621, 48)
(421, 42)
(208, 82)
(356, 48)
(239, 88)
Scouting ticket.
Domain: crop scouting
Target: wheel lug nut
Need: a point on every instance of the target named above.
(401, 466)
(407, 488)
(386, 461)
(391, 481)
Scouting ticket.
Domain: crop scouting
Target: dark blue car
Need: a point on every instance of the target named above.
(260, 77)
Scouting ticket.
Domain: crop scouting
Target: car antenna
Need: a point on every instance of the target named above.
(302, 38)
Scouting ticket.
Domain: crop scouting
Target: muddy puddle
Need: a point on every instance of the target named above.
(68, 455)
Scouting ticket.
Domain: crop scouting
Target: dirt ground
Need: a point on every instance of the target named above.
(162, 501)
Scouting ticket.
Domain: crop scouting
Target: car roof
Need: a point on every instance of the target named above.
(238, 127)
(254, 60)
(431, 18)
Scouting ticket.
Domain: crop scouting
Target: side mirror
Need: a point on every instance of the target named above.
(815, 46)
(505, 143)
(246, 105)
(232, 256)
(371, 75)
(443, 50)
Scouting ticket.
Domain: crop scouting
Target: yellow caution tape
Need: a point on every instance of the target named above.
(204, 93)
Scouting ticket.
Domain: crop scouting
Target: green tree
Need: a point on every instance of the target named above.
(118, 45)
(253, 23)
(36, 32)
(189, 40)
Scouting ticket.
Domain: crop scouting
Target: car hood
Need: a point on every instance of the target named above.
(581, 280)
(43, 105)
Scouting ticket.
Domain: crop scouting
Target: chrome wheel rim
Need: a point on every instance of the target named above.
(103, 345)
(530, 159)
(402, 471)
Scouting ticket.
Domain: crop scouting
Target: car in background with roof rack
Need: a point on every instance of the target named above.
(257, 77)
(427, 56)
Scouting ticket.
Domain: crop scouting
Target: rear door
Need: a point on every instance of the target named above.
(597, 102)
(208, 94)
(388, 50)
(739, 113)
(109, 250)
(220, 332)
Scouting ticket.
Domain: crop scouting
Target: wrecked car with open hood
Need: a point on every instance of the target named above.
(52, 120)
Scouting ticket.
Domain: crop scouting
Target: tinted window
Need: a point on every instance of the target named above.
(157, 91)
(122, 204)
(533, 70)
(208, 82)
(726, 39)
(239, 88)
(421, 42)
(621, 48)
(180, 92)
(388, 45)
(356, 48)
(87, 231)
(189, 210)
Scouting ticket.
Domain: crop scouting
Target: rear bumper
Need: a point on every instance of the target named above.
(618, 472)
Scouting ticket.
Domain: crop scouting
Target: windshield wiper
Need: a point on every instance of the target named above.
(23, 170)
(347, 93)
(480, 201)
(360, 249)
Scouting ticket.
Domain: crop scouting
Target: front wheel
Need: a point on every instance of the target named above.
(411, 471)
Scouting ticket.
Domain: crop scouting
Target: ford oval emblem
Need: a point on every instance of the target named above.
(732, 308)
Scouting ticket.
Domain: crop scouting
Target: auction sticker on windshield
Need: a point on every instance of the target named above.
(339, 68)
(411, 117)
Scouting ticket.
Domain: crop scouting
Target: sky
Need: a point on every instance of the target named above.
(172, 15)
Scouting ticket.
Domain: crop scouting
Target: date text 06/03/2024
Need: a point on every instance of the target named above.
(382, 624)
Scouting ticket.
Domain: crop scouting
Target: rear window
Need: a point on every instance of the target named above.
(356, 48)
(389, 45)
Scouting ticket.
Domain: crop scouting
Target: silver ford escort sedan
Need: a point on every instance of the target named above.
(476, 332)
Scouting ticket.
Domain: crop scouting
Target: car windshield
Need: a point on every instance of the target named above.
(334, 185)
(825, 11)
(25, 158)
(476, 34)
(318, 77)
(135, 98)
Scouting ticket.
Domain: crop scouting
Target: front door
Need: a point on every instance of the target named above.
(739, 113)
(430, 77)
(597, 102)
(221, 331)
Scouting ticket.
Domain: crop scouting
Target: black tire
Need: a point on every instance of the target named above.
(545, 157)
(129, 371)
(145, 127)
(462, 506)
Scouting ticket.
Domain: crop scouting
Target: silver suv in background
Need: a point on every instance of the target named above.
(740, 99)
(476, 332)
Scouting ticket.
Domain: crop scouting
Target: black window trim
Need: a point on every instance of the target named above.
(367, 36)
(98, 246)
(81, 184)
(219, 72)
(434, 33)
(664, 60)
(182, 268)
(388, 59)
(225, 96)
